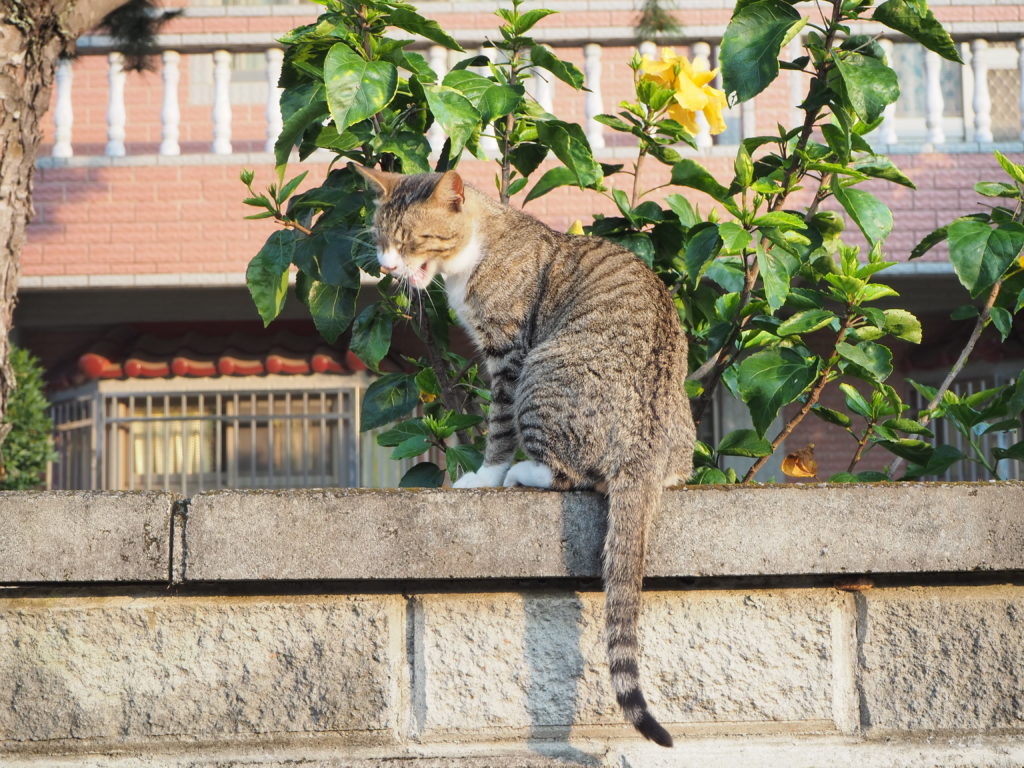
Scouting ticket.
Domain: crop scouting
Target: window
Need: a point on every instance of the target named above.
(112, 437)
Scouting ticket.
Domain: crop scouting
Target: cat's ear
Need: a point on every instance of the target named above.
(382, 182)
(450, 191)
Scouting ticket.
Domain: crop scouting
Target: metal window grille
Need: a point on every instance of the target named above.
(192, 441)
(945, 433)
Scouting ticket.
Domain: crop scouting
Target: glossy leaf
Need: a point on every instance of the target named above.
(371, 335)
(981, 254)
(869, 84)
(904, 17)
(388, 399)
(356, 88)
(570, 145)
(332, 308)
(404, 17)
(807, 321)
(563, 70)
(770, 379)
(751, 46)
(426, 474)
(873, 359)
(267, 274)
(744, 442)
(870, 214)
(455, 114)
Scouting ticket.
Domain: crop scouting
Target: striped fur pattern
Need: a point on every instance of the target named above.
(587, 363)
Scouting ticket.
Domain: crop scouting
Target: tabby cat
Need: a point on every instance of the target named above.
(586, 359)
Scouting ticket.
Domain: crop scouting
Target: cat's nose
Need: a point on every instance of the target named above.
(387, 270)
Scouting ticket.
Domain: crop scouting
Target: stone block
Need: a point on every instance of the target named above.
(942, 659)
(537, 662)
(522, 533)
(127, 670)
(81, 536)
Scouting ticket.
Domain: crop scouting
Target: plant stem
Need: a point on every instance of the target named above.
(641, 154)
(292, 224)
(861, 444)
(961, 361)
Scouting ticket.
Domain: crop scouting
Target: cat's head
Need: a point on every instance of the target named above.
(420, 224)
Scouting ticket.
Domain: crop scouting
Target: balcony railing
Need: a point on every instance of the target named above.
(943, 105)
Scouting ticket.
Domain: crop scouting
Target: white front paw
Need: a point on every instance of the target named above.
(488, 476)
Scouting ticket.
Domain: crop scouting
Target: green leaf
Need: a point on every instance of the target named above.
(426, 474)
(870, 214)
(751, 46)
(412, 149)
(1002, 320)
(311, 110)
(881, 167)
(690, 173)
(399, 433)
(563, 70)
(980, 254)
(869, 85)
(775, 275)
(267, 274)
(770, 379)
(356, 88)
(904, 17)
(903, 325)
(832, 417)
(528, 19)
(371, 336)
(908, 425)
(744, 442)
(734, 237)
(855, 401)
(807, 321)
(332, 308)
(997, 189)
(709, 476)
(388, 399)
(744, 167)
(570, 145)
(288, 188)
(455, 114)
(1015, 451)
(701, 248)
(873, 359)
(556, 177)
(1016, 172)
(929, 242)
(414, 446)
(470, 84)
(499, 100)
(464, 457)
(404, 17)
(917, 451)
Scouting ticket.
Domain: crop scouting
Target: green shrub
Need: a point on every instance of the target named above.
(29, 445)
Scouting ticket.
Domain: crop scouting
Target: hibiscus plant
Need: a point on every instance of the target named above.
(777, 303)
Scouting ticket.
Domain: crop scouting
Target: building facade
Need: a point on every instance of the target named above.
(133, 292)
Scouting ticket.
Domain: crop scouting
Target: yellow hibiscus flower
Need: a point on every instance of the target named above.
(690, 84)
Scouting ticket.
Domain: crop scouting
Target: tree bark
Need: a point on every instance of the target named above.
(33, 35)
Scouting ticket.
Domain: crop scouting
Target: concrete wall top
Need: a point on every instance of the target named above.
(355, 534)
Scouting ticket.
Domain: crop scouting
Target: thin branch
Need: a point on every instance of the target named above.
(861, 445)
(965, 353)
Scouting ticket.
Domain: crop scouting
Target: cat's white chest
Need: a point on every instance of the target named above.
(457, 270)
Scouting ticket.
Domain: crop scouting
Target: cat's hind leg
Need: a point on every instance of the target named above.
(532, 474)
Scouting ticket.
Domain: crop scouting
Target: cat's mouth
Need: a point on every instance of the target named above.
(421, 276)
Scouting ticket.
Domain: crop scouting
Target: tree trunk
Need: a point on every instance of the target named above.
(33, 35)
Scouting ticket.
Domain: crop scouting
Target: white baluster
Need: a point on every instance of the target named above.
(593, 104)
(649, 49)
(967, 78)
(63, 114)
(1020, 69)
(170, 113)
(221, 103)
(934, 104)
(116, 116)
(982, 100)
(888, 132)
(438, 63)
(542, 88)
(488, 143)
(274, 58)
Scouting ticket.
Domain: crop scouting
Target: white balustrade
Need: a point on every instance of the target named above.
(274, 56)
(797, 81)
(170, 113)
(982, 100)
(967, 79)
(116, 115)
(1020, 80)
(888, 127)
(63, 114)
(593, 104)
(649, 49)
(934, 103)
(439, 63)
(702, 59)
(221, 102)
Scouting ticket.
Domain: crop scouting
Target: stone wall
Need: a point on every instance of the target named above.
(790, 626)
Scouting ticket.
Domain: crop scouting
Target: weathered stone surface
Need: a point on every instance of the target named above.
(942, 658)
(745, 752)
(121, 669)
(62, 536)
(521, 533)
(537, 662)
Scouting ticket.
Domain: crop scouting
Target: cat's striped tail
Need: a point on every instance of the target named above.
(632, 501)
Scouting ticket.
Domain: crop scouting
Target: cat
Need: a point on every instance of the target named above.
(587, 361)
